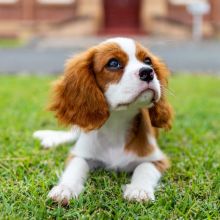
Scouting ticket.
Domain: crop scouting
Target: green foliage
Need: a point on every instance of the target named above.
(189, 190)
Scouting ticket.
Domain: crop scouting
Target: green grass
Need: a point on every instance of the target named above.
(189, 190)
(10, 43)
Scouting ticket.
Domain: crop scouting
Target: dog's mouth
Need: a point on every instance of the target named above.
(148, 94)
(152, 93)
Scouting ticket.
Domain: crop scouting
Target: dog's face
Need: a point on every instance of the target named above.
(113, 74)
(125, 72)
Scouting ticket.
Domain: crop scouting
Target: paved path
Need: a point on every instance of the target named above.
(48, 56)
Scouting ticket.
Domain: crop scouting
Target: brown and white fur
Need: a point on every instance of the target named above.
(117, 115)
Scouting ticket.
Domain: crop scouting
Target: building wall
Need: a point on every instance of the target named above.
(215, 13)
(90, 14)
(37, 10)
(149, 10)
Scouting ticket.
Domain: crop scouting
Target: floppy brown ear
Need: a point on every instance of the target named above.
(161, 114)
(77, 98)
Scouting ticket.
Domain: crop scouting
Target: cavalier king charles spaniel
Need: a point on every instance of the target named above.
(113, 95)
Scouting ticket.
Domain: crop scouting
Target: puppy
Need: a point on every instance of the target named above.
(115, 94)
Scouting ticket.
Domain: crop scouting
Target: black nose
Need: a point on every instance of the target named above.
(146, 74)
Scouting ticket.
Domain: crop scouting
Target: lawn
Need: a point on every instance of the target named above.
(189, 190)
(11, 43)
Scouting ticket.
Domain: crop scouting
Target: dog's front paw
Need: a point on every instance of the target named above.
(138, 193)
(48, 139)
(62, 194)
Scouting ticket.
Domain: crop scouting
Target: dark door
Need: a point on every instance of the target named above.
(122, 16)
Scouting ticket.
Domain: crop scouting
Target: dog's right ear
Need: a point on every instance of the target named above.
(77, 99)
(161, 114)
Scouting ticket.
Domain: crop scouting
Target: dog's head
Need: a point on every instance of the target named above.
(115, 73)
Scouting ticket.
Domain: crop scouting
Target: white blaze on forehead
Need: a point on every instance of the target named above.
(127, 45)
(130, 86)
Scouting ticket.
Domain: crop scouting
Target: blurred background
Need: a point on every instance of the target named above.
(36, 36)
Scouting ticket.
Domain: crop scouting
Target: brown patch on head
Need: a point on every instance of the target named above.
(161, 114)
(162, 165)
(142, 52)
(137, 140)
(77, 98)
(104, 53)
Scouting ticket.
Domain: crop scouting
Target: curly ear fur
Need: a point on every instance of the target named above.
(77, 98)
(161, 114)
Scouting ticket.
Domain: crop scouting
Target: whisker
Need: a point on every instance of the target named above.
(167, 90)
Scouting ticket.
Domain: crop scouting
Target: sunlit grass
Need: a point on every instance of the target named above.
(189, 190)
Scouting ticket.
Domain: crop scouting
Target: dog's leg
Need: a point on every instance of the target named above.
(71, 182)
(144, 180)
(50, 139)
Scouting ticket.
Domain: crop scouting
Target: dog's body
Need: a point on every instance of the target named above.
(115, 93)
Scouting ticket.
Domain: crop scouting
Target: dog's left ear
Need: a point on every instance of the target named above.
(161, 114)
(77, 99)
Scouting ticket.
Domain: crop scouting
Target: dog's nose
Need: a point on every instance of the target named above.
(146, 74)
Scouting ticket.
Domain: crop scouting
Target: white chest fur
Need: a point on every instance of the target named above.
(107, 144)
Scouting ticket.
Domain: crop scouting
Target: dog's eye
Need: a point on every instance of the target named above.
(113, 64)
(148, 61)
